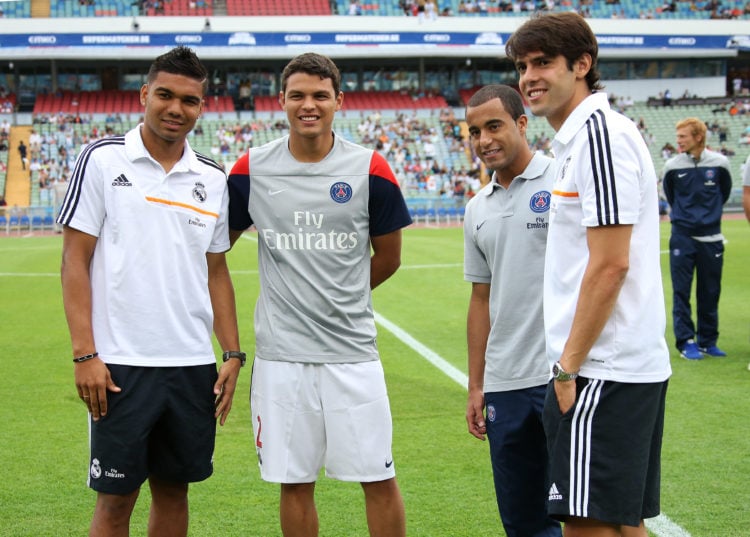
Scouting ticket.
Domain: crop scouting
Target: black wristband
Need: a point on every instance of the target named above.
(86, 357)
(241, 356)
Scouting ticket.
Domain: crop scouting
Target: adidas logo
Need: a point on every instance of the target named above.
(121, 180)
(554, 494)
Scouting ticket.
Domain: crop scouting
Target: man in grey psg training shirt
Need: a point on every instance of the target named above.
(321, 205)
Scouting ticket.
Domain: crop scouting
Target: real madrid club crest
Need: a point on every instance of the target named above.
(96, 469)
(199, 192)
(564, 169)
(341, 192)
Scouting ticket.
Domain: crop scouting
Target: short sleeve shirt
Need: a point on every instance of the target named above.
(149, 273)
(505, 236)
(605, 177)
(314, 223)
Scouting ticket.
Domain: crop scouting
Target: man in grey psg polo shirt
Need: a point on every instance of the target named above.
(320, 205)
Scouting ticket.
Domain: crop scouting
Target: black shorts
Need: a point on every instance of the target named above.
(605, 452)
(161, 423)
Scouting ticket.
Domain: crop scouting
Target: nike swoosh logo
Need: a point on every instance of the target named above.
(274, 192)
(388, 464)
(681, 174)
(479, 226)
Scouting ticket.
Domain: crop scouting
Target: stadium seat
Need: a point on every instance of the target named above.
(420, 214)
(431, 215)
(452, 213)
(442, 214)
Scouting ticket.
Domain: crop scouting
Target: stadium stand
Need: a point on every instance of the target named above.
(178, 8)
(109, 102)
(368, 100)
(92, 8)
(260, 8)
(629, 9)
(15, 10)
(427, 151)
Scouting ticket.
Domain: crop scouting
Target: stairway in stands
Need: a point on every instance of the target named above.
(220, 7)
(17, 183)
(40, 8)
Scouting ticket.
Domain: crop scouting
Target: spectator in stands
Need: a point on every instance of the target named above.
(667, 98)
(406, 6)
(22, 152)
(35, 142)
(331, 368)
(142, 337)
(603, 301)
(504, 261)
(726, 151)
(354, 7)
(723, 131)
(431, 10)
(667, 150)
(697, 183)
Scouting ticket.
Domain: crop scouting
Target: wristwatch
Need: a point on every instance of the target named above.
(241, 356)
(558, 373)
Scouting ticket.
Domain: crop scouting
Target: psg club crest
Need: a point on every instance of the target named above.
(341, 192)
(539, 202)
(491, 414)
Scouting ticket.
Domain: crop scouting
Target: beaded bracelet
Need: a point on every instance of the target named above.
(86, 357)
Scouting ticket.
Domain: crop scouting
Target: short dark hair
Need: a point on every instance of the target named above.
(510, 98)
(312, 63)
(179, 61)
(555, 34)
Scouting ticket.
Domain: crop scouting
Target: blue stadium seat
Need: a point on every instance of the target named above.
(431, 215)
(452, 213)
(442, 214)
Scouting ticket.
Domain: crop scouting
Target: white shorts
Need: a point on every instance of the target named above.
(310, 416)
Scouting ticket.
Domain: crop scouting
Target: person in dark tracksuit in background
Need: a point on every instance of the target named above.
(697, 184)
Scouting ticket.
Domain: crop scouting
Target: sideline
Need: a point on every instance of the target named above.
(661, 526)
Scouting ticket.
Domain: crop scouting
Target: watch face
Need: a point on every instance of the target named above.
(555, 369)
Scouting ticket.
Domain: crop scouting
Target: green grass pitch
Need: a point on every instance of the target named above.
(444, 473)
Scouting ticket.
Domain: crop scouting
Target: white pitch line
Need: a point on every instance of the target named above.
(429, 355)
(661, 526)
(30, 274)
